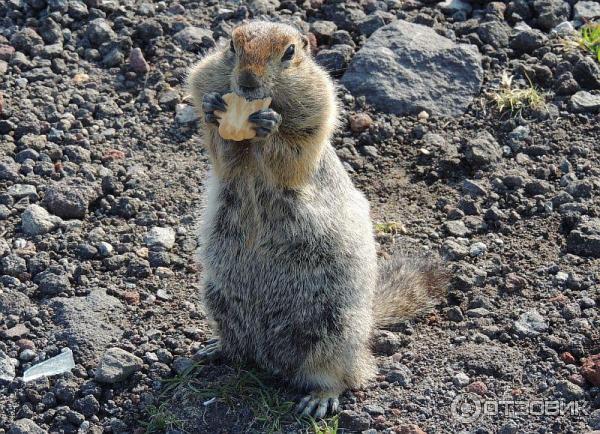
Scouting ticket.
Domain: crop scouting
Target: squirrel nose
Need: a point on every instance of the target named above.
(248, 81)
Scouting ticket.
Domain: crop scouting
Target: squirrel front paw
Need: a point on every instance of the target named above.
(265, 122)
(211, 102)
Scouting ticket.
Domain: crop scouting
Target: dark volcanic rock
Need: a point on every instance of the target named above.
(585, 239)
(396, 71)
(90, 322)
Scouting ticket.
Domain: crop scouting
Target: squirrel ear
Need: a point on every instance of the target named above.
(305, 41)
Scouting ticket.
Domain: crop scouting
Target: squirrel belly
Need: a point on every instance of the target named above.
(289, 275)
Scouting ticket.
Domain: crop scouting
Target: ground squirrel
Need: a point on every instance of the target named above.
(290, 274)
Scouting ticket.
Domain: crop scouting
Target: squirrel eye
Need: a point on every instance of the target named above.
(231, 46)
(289, 53)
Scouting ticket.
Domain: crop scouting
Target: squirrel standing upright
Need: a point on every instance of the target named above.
(290, 274)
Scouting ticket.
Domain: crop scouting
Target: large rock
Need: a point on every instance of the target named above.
(160, 237)
(25, 426)
(7, 368)
(116, 365)
(68, 201)
(585, 239)
(35, 220)
(483, 151)
(194, 38)
(585, 102)
(585, 11)
(88, 324)
(405, 68)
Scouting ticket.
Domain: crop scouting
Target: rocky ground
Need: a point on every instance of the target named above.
(101, 170)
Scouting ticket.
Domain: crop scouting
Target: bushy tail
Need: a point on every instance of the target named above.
(408, 286)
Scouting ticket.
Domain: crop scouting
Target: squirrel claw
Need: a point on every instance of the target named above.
(318, 405)
(266, 121)
(211, 351)
(211, 102)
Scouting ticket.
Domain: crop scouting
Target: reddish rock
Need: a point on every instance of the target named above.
(410, 429)
(567, 358)
(132, 297)
(514, 282)
(26, 344)
(113, 154)
(6, 52)
(17, 331)
(137, 61)
(577, 379)
(360, 122)
(477, 387)
(590, 369)
(312, 41)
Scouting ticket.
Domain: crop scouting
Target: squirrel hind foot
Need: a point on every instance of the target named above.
(319, 404)
(211, 351)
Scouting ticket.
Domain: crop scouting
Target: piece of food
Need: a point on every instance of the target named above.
(234, 124)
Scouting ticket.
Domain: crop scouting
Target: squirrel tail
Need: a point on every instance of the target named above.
(408, 286)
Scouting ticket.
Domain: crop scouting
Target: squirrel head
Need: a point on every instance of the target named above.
(266, 56)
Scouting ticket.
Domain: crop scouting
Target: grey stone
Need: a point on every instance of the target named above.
(405, 68)
(160, 237)
(585, 11)
(68, 201)
(263, 7)
(137, 61)
(399, 375)
(323, 30)
(386, 342)
(35, 220)
(585, 102)
(185, 114)
(569, 391)
(584, 240)
(100, 31)
(335, 59)
(25, 426)
(7, 368)
(90, 323)
(13, 265)
(354, 421)
(19, 191)
(531, 323)
(26, 39)
(9, 170)
(452, 6)
(461, 379)
(527, 40)
(551, 12)
(77, 154)
(113, 58)
(50, 283)
(194, 39)
(456, 228)
(483, 151)
(495, 33)
(594, 419)
(117, 365)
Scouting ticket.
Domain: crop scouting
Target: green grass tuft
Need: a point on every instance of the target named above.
(241, 389)
(590, 39)
(161, 420)
(513, 99)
